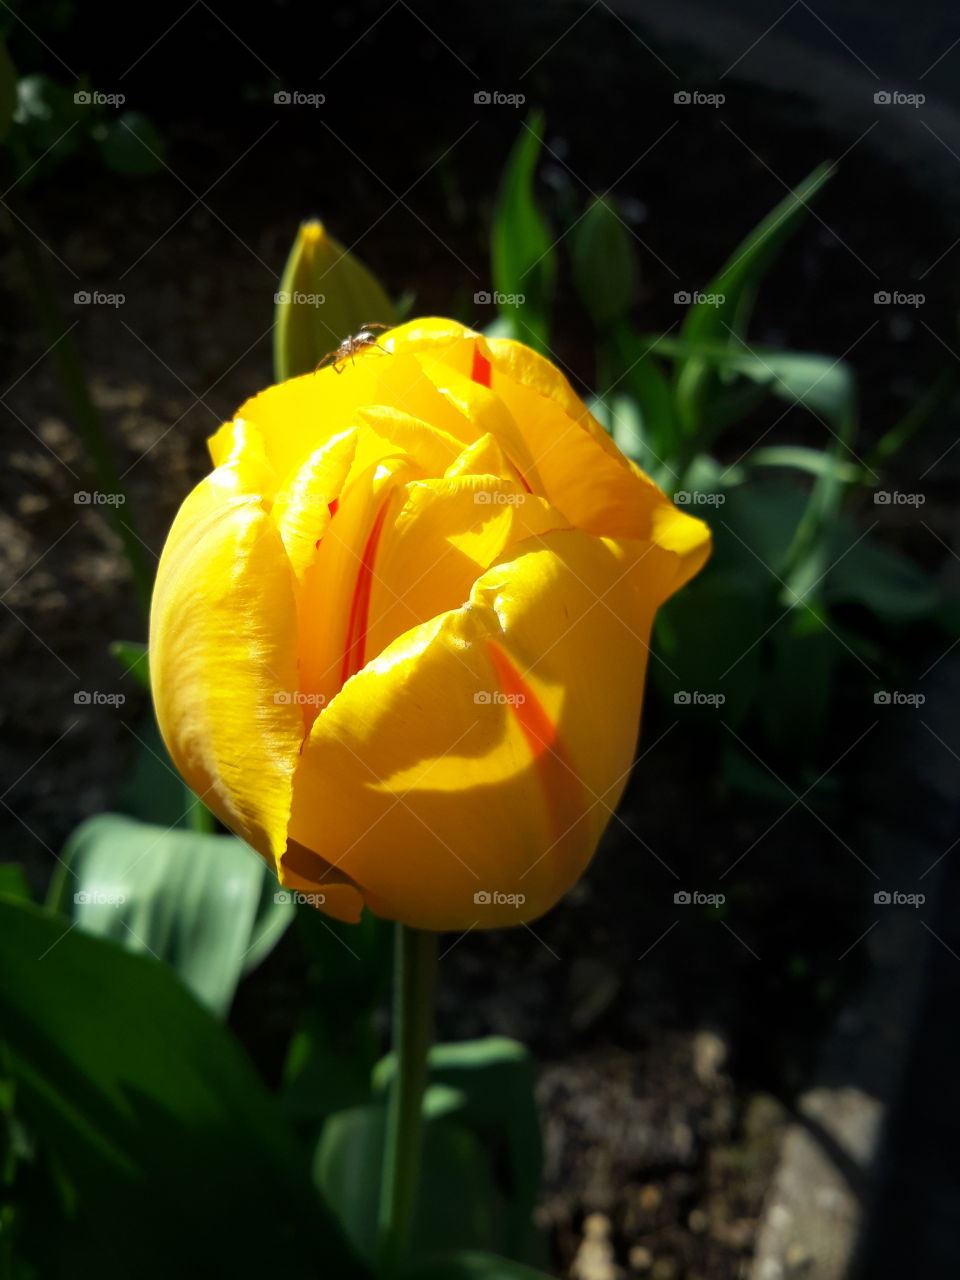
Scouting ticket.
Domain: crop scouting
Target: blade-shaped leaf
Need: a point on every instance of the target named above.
(523, 257)
(727, 303)
(458, 1205)
(494, 1079)
(204, 904)
(176, 1154)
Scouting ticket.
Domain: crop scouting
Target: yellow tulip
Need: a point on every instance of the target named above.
(399, 634)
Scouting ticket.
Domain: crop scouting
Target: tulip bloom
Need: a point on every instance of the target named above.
(399, 634)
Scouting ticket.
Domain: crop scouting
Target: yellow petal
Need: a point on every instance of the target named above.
(427, 780)
(446, 534)
(223, 668)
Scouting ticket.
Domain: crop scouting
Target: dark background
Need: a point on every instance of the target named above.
(676, 1045)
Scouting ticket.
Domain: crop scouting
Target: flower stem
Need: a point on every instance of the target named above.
(414, 980)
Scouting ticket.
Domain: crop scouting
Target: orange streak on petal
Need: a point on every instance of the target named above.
(480, 372)
(353, 651)
(563, 791)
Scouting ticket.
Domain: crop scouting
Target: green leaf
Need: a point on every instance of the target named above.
(494, 1077)
(8, 90)
(130, 144)
(172, 1147)
(458, 1205)
(605, 268)
(49, 123)
(754, 529)
(133, 657)
(639, 372)
(705, 639)
(524, 260)
(737, 283)
(814, 461)
(13, 883)
(820, 383)
(154, 792)
(881, 579)
(802, 655)
(207, 905)
(336, 1045)
(472, 1266)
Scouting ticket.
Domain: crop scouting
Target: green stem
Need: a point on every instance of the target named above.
(414, 981)
(87, 419)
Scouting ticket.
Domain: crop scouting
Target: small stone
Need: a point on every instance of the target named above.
(798, 1259)
(698, 1221)
(640, 1258)
(709, 1055)
(651, 1197)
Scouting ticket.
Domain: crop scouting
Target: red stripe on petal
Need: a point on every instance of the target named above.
(481, 371)
(353, 651)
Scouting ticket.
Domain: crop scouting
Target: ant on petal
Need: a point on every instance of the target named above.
(352, 346)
